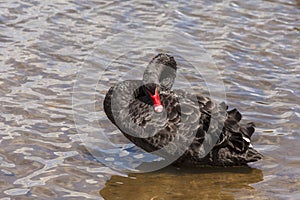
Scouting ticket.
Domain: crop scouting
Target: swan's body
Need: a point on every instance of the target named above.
(128, 105)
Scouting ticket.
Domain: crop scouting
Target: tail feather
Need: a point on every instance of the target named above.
(225, 157)
(250, 129)
(234, 114)
(252, 155)
(235, 147)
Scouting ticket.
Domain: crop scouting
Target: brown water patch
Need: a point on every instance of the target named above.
(173, 183)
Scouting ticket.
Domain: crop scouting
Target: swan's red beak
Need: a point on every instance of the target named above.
(156, 101)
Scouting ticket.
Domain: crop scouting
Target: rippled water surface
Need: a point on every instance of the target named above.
(51, 51)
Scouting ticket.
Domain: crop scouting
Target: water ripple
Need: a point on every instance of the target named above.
(255, 45)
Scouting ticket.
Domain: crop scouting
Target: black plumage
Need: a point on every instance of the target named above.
(194, 127)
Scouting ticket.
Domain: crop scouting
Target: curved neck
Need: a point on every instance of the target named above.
(123, 99)
(159, 74)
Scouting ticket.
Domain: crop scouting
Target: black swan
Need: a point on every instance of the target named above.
(197, 129)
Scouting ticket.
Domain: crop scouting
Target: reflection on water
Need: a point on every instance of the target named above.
(43, 44)
(172, 183)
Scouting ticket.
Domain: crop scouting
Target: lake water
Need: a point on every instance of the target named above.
(58, 58)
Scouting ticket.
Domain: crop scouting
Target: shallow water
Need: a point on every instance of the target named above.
(58, 58)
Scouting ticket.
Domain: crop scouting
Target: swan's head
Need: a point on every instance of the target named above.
(159, 75)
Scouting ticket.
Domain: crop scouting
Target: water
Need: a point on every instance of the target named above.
(47, 46)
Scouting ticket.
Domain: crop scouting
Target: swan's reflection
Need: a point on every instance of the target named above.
(191, 183)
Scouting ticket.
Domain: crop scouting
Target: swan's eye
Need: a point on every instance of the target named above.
(150, 89)
(150, 92)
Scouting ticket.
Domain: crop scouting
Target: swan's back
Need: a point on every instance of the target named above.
(214, 136)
